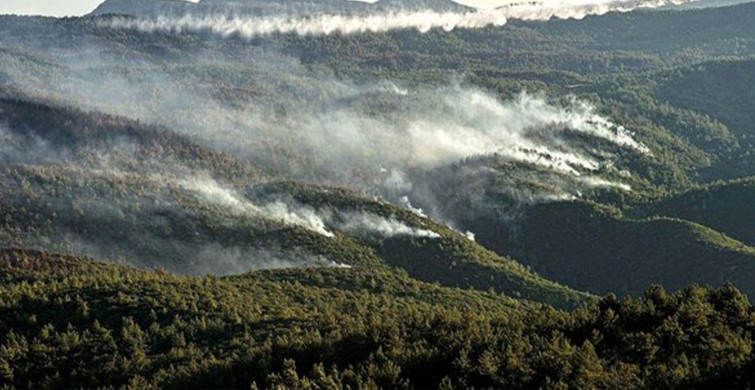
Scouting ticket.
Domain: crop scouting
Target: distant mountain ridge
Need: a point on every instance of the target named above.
(265, 7)
(704, 4)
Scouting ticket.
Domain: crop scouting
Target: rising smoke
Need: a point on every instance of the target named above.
(381, 21)
(370, 224)
(339, 132)
(403, 142)
(376, 136)
(221, 260)
(289, 212)
(286, 212)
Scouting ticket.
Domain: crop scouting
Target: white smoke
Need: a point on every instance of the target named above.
(421, 20)
(370, 224)
(27, 148)
(396, 181)
(299, 216)
(404, 201)
(289, 213)
(375, 136)
(578, 9)
(250, 27)
(528, 129)
(335, 124)
(592, 181)
(581, 116)
(215, 259)
(211, 191)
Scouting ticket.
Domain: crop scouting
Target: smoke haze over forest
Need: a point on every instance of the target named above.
(311, 194)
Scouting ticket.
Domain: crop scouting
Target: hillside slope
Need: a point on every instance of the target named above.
(68, 322)
(112, 188)
(667, 33)
(260, 195)
(596, 249)
(726, 207)
(721, 90)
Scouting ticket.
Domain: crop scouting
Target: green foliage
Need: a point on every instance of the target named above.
(331, 328)
(598, 249)
(412, 312)
(721, 206)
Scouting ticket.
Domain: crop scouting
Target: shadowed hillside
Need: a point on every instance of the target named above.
(348, 327)
(598, 250)
(400, 195)
(722, 206)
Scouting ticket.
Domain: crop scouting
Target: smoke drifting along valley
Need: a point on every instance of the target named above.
(375, 136)
(288, 212)
(443, 148)
(381, 20)
(341, 127)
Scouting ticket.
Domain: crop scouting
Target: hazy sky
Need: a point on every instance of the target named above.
(48, 7)
(81, 7)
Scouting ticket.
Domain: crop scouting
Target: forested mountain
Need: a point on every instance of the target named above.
(75, 323)
(705, 4)
(415, 194)
(119, 207)
(722, 206)
(265, 7)
(597, 249)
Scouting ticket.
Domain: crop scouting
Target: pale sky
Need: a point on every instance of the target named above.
(81, 7)
(48, 7)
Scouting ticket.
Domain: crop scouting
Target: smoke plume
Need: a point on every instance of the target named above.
(220, 260)
(340, 133)
(248, 27)
(211, 191)
(378, 136)
(289, 212)
(371, 224)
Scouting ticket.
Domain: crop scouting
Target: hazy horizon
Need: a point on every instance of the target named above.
(59, 8)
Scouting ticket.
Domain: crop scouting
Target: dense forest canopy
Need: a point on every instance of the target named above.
(405, 194)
